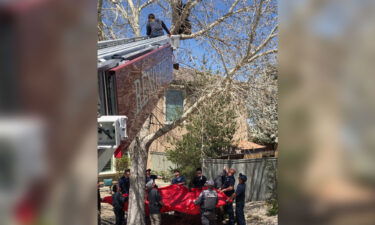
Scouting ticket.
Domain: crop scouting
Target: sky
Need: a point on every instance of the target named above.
(198, 48)
(192, 44)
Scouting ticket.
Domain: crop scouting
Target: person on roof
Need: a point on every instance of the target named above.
(155, 27)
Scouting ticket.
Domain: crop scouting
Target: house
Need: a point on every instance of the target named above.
(251, 150)
(166, 110)
(244, 149)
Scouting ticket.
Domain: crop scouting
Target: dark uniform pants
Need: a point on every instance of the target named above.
(240, 216)
(120, 216)
(229, 210)
(208, 217)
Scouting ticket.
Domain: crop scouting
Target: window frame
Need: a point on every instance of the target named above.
(182, 90)
(113, 167)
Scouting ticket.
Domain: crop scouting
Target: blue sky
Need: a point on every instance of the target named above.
(197, 48)
(192, 44)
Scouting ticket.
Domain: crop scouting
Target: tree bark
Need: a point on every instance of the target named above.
(136, 211)
(175, 14)
(101, 35)
(140, 145)
(138, 153)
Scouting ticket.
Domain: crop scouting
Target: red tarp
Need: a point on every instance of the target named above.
(177, 198)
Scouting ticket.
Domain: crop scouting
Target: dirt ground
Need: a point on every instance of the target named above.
(255, 213)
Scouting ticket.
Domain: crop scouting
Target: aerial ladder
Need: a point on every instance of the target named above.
(132, 75)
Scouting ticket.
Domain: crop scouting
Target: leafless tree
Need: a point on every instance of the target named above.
(262, 105)
(239, 35)
(121, 18)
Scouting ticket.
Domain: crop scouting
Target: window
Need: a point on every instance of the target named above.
(107, 93)
(111, 94)
(108, 166)
(174, 104)
(101, 99)
(9, 83)
(7, 161)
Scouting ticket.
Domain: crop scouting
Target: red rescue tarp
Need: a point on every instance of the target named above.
(177, 198)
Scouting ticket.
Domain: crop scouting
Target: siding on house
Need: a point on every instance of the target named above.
(159, 162)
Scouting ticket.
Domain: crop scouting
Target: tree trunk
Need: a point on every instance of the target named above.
(137, 29)
(174, 14)
(136, 211)
(101, 35)
(138, 153)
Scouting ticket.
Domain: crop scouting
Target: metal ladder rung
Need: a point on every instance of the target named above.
(111, 43)
(106, 53)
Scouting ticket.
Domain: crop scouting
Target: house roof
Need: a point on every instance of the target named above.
(248, 145)
(184, 74)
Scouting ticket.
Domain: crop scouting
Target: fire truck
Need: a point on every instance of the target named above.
(132, 75)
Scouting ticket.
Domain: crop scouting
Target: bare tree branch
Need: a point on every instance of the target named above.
(273, 51)
(254, 26)
(237, 44)
(221, 56)
(235, 3)
(246, 59)
(144, 5)
(131, 6)
(177, 20)
(101, 34)
(213, 24)
(267, 40)
(168, 127)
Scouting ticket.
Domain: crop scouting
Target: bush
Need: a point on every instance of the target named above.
(121, 165)
(272, 188)
(274, 207)
(167, 175)
(209, 134)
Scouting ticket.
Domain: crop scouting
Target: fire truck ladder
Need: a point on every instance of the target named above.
(127, 49)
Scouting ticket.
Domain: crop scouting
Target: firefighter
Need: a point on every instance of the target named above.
(178, 179)
(155, 27)
(240, 199)
(124, 182)
(155, 202)
(199, 180)
(219, 179)
(208, 200)
(228, 190)
(118, 204)
(149, 176)
(99, 201)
